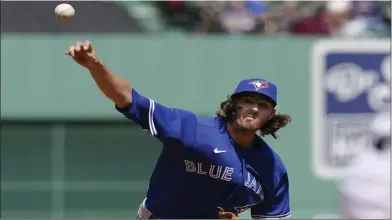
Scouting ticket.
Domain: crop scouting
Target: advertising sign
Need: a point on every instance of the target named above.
(351, 84)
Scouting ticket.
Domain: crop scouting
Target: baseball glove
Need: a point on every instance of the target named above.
(226, 215)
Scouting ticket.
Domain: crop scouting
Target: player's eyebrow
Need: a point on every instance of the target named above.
(254, 97)
(262, 100)
(257, 98)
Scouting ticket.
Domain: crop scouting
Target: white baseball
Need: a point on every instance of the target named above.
(64, 11)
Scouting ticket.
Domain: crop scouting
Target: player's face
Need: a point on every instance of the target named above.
(253, 111)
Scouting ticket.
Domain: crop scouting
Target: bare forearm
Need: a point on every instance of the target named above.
(113, 86)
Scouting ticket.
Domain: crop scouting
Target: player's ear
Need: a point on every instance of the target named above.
(273, 112)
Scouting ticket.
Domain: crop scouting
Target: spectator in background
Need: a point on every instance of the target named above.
(328, 19)
(209, 15)
(315, 24)
(238, 17)
(257, 9)
(290, 13)
(179, 14)
(366, 9)
(244, 17)
(333, 18)
(338, 15)
(368, 19)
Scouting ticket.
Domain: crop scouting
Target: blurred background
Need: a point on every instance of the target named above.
(67, 153)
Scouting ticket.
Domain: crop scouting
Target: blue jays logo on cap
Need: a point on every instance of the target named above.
(259, 86)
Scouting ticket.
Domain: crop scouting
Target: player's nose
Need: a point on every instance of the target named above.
(254, 110)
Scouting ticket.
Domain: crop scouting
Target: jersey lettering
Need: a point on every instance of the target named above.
(252, 183)
(213, 171)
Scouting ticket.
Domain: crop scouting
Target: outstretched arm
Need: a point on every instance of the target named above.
(161, 121)
(113, 86)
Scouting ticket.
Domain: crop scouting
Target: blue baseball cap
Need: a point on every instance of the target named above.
(259, 86)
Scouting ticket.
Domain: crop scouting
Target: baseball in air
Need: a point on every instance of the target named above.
(64, 11)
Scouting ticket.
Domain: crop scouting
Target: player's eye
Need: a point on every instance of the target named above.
(263, 105)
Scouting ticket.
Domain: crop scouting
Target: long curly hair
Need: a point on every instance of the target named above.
(227, 112)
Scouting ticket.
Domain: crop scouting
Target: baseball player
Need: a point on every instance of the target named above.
(209, 167)
(366, 189)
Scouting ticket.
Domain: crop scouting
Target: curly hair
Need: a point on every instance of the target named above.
(227, 112)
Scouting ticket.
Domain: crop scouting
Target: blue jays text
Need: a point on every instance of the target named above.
(200, 168)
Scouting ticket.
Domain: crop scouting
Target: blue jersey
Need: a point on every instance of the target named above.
(200, 167)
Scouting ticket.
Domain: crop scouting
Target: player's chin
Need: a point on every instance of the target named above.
(249, 126)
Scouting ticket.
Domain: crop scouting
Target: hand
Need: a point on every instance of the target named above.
(83, 54)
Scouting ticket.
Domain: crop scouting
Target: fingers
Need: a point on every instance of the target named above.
(87, 46)
(71, 51)
(78, 48)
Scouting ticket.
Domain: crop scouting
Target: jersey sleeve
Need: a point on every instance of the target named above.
(161, 121)
(277, 205)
